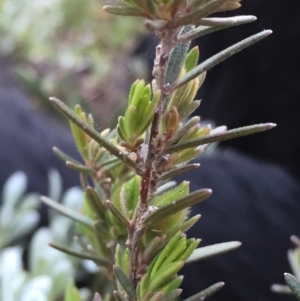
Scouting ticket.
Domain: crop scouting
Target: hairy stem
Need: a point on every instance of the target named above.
(155, 147)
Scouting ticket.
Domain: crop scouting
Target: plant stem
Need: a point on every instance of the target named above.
(163, 50)
(155, 148)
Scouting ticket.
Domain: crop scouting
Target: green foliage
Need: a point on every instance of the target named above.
(293, 282)
(133, 221)
(138, 116)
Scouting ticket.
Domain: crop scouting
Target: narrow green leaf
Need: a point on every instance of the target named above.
(157, 296)
(230, 5)
(154, 101)
(117, 213)
(189, 154)
(142, 107)
(80, 168)
(153, 247)
(165, 187)
(200, 12)
(91, 132)
(293, 284)
(196, 3)
(228, 22)
(171, 195)
(174, 284)
(79, 137)
(110, 161)
(64, 157)
(178, 171)
(177, 57)
(183, 96)
(198, 32)
(164, 254)
(222, 136)
(143, 286)
(95, 152)
(76, 216)
(191, 59)
(176, 252)
(124, 11)
(132, 192)
(223, 23)
(129, 118)
(146, 94)
(121, 129)
(193, 243)
(185, 128)
(182, 203)
(172, 295)
(95, 202)
(125, 282)
(119, 256)
(134, 3)
(280, 289)
(131, 92)
(126, 259)
(149, 114)
(137, 92)
(95, 258)
(213, 250)
(163, 276)
(185, 226)
(220, 57)
(203, 295)
(188, 109)
(201, 79)
(123, 204)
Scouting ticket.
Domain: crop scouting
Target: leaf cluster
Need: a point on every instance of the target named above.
(293, 282)
(133, 220)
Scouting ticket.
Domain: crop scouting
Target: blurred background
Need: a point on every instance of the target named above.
(73, 50)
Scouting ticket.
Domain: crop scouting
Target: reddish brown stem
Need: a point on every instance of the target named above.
(148, 182)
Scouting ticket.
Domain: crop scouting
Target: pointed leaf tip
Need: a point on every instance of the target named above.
(176, 206)
(270, 125)
(97, 297)
(203, 295)
(68, 212)
(65, 110)
(220, 136)
(220, 57)
(213, 250)
(117, 213)
(95, 258)
(125, 282)
(293, 284)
